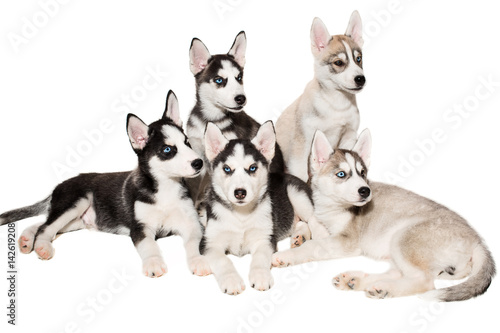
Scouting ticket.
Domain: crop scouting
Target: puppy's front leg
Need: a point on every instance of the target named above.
(260, 269)
(318, 230)
(191, 233)
(149, 251)
(332, 247)
(348, 140)
(230, 282)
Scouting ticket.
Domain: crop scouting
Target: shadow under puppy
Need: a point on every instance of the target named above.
(147, 203)
(249, 209)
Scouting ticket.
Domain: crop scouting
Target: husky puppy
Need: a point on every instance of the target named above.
(328, 102)
(421, 239)
(220, 98)
(248, 209)
(147, 203)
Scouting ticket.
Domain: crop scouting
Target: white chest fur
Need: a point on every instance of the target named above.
(167, 206)
(333, 112)
(334, 218)
(238, 231)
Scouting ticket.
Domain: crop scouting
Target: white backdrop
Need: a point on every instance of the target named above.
(72, 70)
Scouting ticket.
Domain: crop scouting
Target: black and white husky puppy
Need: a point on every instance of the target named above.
(220, 98)
(249, 209)
(147, 203)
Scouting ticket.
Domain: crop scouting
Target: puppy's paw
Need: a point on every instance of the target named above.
(44, 249)
(377, 294)
(199, 266)
(261, 279)
(154, 267)
(378, 291)
(300, 235)
(231, 284)
(202, 212)
(348, 281)
(26, 242)
(297, 240)
(283, 259)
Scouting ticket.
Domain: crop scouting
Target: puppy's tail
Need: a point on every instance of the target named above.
(483, 271)
(39, 208)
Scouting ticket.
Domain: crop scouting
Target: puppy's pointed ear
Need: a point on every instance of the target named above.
(239, 48)
(319, 36)
(198, 56)
(265, 140)
(172, 109)
(321, 151)
(137, 132)
(215, 141)
(355, 28)
(363, 146)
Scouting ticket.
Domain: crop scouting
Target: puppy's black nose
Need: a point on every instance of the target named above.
(240, 193)
(364, 192)
(360, 80)
(240, 99)
(197, 164)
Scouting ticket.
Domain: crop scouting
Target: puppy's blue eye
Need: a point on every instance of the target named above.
(167, 152)
(239, 77)
(218, 80)
(340, 174)
(227, 169)
(252, 168)
(358, 58)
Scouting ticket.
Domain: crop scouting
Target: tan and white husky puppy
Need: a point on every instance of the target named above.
(328, 102)
(422, 239)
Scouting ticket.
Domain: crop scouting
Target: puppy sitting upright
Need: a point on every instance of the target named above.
(249, 210)
(220, 98)
(328, 102)
(147, 203)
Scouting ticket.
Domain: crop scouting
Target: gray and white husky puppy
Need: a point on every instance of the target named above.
(147, 203)
(422, 240)
(329, 100)
(248, 208)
